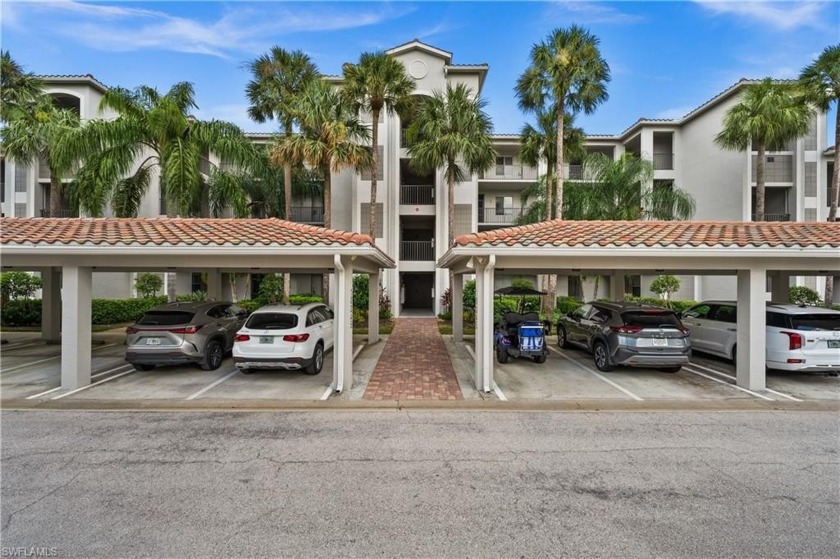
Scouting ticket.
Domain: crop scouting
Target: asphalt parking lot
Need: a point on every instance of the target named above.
(30, 370)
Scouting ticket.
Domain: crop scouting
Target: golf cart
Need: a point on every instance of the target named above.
(520, 333)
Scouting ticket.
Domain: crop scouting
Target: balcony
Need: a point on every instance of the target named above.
(777, 168)
(510, 172)
(494, 216)
(773, 217)
(313, 215)
(60, 213)
(417, 251)
(417, 194)
(573, 172)
(663, 161)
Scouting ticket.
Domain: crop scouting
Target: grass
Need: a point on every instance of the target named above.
(445, 327)
(385, 327)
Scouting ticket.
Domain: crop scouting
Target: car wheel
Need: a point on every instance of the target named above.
(142, 366)
(214, 353)
(671, 369)
(602, 357)
(539, 359)
(561, 337)
(502, 355)
(317, 361)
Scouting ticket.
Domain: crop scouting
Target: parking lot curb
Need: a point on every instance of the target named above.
(733, 405)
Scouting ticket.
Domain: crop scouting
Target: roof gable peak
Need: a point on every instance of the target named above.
(417, 44)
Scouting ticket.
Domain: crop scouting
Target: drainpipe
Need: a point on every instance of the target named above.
(488, 287)
(338, 351)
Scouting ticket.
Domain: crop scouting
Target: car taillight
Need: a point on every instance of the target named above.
(131, 330)
(794, 340)
(295, 338)
(626, 329)
(188, 330)
(242, 338)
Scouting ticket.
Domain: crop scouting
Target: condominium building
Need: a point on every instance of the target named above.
(411, 208)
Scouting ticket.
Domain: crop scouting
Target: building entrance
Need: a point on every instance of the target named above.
(417, 290)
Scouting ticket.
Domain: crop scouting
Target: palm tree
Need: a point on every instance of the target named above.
(567, 75)
(278, 80)
(820, 81)
(451, 127)
(20, 91)
(43, 132)
(378, 82)
(768, 116)
(157, 130)
(329, 140)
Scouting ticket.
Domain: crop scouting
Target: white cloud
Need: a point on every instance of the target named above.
(590, 12)
(242, 28)
(781, 15)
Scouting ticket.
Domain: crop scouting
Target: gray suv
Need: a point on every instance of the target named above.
(632, 334)
(178, 333)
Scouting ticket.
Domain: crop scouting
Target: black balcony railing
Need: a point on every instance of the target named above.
(773, 217)
(417, 250)
(308, 214)
(496, 216)
(663, 161)
(59, 213)
(417, 194)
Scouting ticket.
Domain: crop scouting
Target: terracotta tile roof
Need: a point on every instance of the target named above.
(560, 233)
(171, 232)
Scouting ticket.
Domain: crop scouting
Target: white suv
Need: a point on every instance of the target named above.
(285, 337)
(799, 338)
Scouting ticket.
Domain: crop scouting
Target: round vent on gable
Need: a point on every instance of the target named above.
(418, 69)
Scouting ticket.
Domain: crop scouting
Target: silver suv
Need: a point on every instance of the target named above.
(178, 333)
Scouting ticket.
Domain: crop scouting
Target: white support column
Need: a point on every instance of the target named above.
(617, 287)
(373, 308)
(458, 308)
(214, 285)
(780, 287)
(480, 318)
(51, 305)
(487, 332)
(342, 294)
(750, 355)
(75, 324)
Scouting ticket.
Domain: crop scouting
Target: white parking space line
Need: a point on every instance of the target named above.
(735, 386)
(50, 391)
(727, 375)
(213, 385)
(358, 350)
(499, 392)
(92, 385)
(597, 375)
(19, 345)
(327, 393)
(16, 367)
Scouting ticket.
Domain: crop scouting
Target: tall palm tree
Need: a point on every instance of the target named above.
(378, 82)
(448, 128)
(43, 132)
(329, 140)
(567, 75)
(820, 81)
(20, 91)
(769, 115)
(278, 78)
(158, 130)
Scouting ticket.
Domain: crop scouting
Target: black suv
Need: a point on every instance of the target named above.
(633, 334)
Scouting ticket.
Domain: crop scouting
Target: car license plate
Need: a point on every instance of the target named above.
(266, 340)
(660, 341)
(834, 343)
(152, 341)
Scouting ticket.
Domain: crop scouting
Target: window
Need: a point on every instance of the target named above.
(700, 311)
(504, 205)
(777, 320)
(582, 311)
(314, 317)
(726, 313)
(501, 163)
(219, 311)
(272, 321)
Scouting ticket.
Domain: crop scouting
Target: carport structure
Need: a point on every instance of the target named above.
(752, 251)
(68, 251)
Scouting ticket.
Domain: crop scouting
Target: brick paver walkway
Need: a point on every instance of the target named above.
(414, 365)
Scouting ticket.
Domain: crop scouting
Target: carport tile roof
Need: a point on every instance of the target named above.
(171, 232)
(561, 233)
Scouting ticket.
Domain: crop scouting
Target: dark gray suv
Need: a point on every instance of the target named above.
(178, 333)
(631, 334)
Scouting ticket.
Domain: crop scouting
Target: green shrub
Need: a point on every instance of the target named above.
(801, 295)
(469, 295)
(18, 285)
(21, 312)
(445, 315)
(195, 297)
(304, 298)
(567, 305)
(114, 311)
(147, 285)
(249, 305)
(271, 289)
(677, 305)
(665, 285)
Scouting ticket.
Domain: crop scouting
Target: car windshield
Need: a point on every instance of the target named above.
(272, 321)
(815, 321)
(166, 318)
(651, 319)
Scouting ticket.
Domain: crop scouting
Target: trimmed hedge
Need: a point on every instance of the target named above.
(24, 312)
(251, 305)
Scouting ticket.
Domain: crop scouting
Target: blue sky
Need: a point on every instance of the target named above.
(666, 57)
